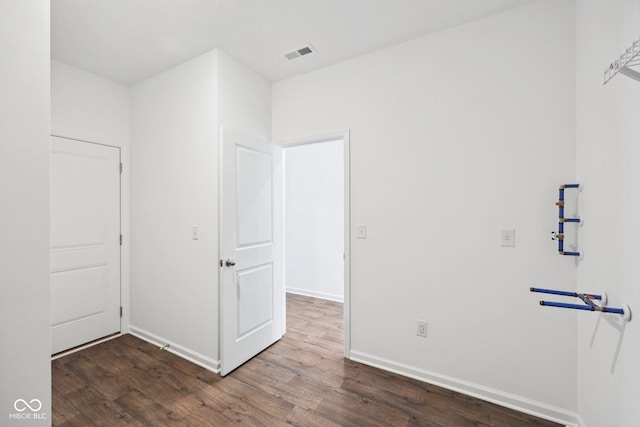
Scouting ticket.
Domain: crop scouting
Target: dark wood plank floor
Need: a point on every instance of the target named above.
(302, 380)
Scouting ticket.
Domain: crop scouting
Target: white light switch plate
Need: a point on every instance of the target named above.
(508, 237)
(362, 231)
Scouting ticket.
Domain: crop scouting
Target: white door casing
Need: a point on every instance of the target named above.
(85, 242)
(252, 294)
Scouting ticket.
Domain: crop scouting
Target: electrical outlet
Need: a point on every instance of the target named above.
(421, 328)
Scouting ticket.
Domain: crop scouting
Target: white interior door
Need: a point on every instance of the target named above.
(252, 293)
(85, 242)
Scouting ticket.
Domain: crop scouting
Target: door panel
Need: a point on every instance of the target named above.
(254, 287)
(85, 242)
(252, 292)
(80, 294)
(254, 171)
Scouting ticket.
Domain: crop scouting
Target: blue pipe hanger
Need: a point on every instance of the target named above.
(589, 301)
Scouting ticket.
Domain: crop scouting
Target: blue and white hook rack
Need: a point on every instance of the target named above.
(592, 302)
(559, 235)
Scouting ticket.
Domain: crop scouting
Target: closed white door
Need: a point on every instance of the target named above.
(252, 293)
(85, 242)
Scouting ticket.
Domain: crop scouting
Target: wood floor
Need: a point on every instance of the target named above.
(302, 380)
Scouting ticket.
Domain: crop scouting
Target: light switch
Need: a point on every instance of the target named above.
(362, 231)
(508, 237)
(195, 232)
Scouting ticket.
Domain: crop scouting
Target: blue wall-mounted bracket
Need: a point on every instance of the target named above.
(562, 220)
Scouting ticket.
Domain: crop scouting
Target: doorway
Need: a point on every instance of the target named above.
(85, 242)
(316, 220)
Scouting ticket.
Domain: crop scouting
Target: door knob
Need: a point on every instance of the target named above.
(230, 263)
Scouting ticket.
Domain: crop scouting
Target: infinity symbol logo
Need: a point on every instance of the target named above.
(22, 405)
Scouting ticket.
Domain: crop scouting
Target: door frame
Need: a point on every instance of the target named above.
(123, 205)
(324, 137)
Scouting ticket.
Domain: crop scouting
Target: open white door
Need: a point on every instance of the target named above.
(252, 295)
(85, 242)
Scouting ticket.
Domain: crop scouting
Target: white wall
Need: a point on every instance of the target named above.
(25, 371)
(88, 107)
(174, 185)
(91, 108)
(244, 102)
(608, 154)
(175, 121)
(453, 137)
(314, 193)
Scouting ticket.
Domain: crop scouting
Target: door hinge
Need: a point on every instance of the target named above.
(121, 240)
(120, 167)
(120, 311)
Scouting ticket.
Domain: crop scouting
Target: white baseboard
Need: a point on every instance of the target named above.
(321, 295)
(498, 397)
(190, 355)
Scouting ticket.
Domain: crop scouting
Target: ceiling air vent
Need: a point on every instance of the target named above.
(299, 53)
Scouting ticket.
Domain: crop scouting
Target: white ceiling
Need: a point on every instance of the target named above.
(130, 40)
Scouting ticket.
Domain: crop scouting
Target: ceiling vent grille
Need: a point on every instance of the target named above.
(299, 53)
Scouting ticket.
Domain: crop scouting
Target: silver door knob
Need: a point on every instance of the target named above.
(230, 263)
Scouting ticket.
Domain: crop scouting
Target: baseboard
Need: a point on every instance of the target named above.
(321, 295)
(498, 397)
(581, 422)
(190, 355)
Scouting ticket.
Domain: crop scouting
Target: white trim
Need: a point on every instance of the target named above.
(347, 243)
(320, 295)
(125, 230)
(220, 253)
(346, 137)
(283, 235)
(83, 137)
(190, 355)
(581, 422)
(312, 139)
(508, 400)
(82, 347)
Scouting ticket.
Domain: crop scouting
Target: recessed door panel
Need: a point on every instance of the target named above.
(80, 294)
(77, 211)
(255, 299)
(254, 197)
